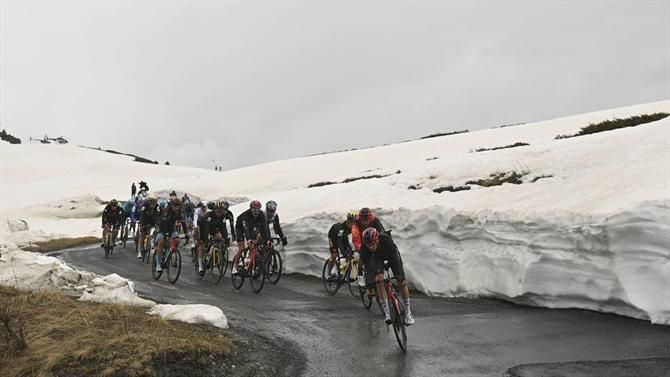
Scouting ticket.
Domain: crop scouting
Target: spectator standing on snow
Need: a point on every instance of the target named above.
(133, 190)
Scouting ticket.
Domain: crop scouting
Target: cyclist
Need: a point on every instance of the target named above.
(376, 248)
(273, 218)
(187, 215)
(169, 225)
(199, 238)
(148, 215)
(127, 211)
(365, 219)
(231, 221)
(111, 217)
(338, 238)
(251, 224)
(214, 226)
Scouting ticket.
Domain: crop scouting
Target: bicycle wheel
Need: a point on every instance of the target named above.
(124, 238)
(365, 298)
(224, 261)
(399, 328)
(173, 265)
(238, 279)
(274, 266)
(330, 283)
(352, 281)
(156, 274)
(257, 278)
(147, 249)
(216, 265)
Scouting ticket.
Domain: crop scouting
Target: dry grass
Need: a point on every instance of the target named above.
(60, 244)
(67, 337)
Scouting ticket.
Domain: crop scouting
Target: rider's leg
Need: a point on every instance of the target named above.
(236, 258)
(160, 239)
(381, 293)
(398, 270)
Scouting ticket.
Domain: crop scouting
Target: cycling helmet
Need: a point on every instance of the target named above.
(114, 203)
(173, 193)
(271, 206)
(202, 204)
(219, 204)
(255, 204)
(210, 205)
(152, 198)
(370, 236)
(225, 205)
(351, 216)
(365, 214)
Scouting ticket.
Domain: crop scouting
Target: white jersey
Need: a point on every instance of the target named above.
(199, 213)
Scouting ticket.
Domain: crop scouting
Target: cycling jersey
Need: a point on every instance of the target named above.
(149, 216)
(111, 215)
(338, 235)
(168, 218)
(215, 223)
(274, 220)
(358, 228)
(199, 215)
(386, 251)
(249, 226)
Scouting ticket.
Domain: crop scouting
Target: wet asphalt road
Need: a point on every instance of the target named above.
(452, 337)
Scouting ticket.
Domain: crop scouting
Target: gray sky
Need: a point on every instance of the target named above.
(243, 83)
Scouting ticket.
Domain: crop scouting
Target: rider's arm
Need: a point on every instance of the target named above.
(265, 230)
(277, 227)
(231, 220)
(356, 236)
(239, 228)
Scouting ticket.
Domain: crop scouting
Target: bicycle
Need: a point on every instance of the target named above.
(250, 267)
(397, 307)
(272, 261)
(170, 258)
(147, 245)
(346, 269)
(215, 260)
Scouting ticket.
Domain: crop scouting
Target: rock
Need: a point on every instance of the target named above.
(17, 225)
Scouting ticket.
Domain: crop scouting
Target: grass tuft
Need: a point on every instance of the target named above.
(60, 244)
(616, 123)
(71, 338)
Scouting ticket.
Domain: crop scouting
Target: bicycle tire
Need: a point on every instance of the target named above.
(274, 266)
(173, 266)
(238, 279)
(225, 261)
(399, 327)
(216, 265)
(331, 286)
(257, 278)
(155, 274)
(352, 282)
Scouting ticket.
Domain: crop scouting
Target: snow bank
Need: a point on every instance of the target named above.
(204, 314)
(618, 264)
(113, 289)
(32, 271)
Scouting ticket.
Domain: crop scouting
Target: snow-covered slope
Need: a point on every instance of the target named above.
(595, 235)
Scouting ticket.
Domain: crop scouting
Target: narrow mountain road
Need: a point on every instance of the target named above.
(452, 337)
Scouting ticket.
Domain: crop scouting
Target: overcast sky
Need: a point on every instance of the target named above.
(243, 83)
